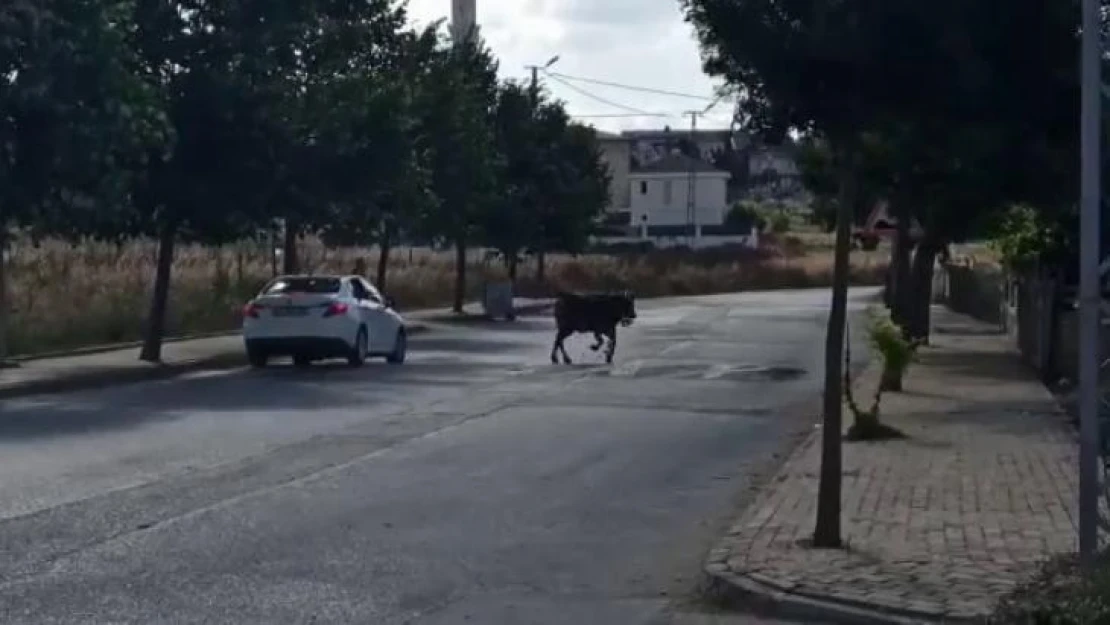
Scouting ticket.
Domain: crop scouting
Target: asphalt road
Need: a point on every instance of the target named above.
(475, 484)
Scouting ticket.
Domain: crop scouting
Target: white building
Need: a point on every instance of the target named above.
(661, 191)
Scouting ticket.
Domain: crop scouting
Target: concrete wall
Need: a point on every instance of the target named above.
(702, 242)
(1038, 317)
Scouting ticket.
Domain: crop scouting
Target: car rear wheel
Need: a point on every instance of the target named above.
(358, 354)
(257, 359)
(400, 348)
(301, 360)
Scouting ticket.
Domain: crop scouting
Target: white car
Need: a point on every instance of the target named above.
(320, 316)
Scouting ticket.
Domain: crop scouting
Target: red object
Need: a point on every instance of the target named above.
(336, 308)
(251, 310)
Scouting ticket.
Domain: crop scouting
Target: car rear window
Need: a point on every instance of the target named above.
(303, 285)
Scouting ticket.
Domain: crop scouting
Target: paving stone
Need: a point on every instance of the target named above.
(944, 522)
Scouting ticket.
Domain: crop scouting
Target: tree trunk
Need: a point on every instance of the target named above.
(826, 533)
(240, 272)
(272, 252)
(890, 380)
(902, 292)
(511, 265)
(289, 260)
(384, 247)
(460, 275)
(541, 266)
(921, 297)
(5, 303)
(156, 321)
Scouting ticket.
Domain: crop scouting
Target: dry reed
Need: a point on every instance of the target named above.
(65, 296)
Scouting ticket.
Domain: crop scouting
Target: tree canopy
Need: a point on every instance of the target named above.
(213, 122)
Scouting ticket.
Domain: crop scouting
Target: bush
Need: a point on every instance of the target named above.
(780, 223)
(1061, 594)
(744, 215)
(897, 353)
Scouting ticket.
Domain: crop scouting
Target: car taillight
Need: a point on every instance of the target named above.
(335, 308)
(251, 310)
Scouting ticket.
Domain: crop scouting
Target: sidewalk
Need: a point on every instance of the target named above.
(937, 526)
(120, 364)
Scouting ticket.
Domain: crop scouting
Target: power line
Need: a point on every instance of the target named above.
(622, 115)
(597, 98)
(617, 85)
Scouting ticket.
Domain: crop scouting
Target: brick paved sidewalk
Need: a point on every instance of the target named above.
(938, 526)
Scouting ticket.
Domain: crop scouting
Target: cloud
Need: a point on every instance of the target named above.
(635, 42)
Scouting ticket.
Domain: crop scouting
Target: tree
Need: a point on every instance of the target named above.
(579, 192)
(937, 85)
(375, 173)
(241, 79)
(458, 100)
(832, 70)
(72, 109)
(513, 220)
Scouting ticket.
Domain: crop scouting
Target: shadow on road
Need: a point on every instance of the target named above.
(456, 361)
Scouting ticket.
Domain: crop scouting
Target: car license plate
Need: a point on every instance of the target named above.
(290, 311)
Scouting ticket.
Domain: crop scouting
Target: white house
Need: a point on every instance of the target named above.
(659, 196)
(661, 192)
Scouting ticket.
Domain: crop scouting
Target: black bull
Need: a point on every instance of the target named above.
(594, 313)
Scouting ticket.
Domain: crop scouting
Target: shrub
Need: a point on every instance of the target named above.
(780, 223)
(892, 346)
(896, 353)
(1061, 594)
(744, 215)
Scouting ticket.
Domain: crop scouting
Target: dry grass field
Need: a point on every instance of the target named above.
(66, 296)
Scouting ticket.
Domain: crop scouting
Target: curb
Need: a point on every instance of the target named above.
(746, 593)
(144, 372)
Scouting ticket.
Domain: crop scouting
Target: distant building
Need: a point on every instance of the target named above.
(616, 151)
(651, 145)
(661, 192)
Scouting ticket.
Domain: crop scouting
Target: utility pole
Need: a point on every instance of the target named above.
(534, 91)
(1090, 291)
(534, 94)
(692, 180)
(464, 19)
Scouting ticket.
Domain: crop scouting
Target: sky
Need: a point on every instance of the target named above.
(642, 43)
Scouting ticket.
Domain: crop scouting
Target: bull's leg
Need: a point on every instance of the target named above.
(560, 336)
(612, 335)
(600, 341)
(555, 347)
(563, 349)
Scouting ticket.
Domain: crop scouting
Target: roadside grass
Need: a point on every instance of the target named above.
(67, 296)
(1061, 594)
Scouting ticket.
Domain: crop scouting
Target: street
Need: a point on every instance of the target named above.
(476, 483)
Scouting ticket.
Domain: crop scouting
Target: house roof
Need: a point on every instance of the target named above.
(608, 136)
(678, 164)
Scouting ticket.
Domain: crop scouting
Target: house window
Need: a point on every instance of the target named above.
(643, 187)
(668, 192)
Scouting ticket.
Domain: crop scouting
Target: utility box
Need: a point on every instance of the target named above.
(497, 300)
